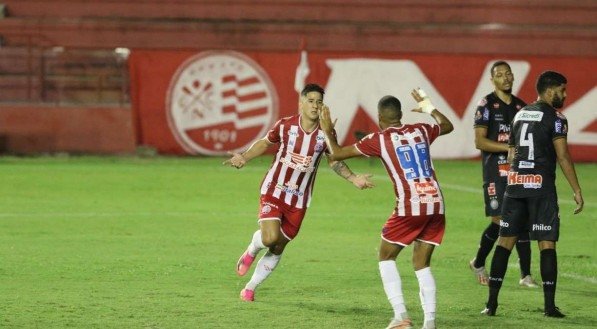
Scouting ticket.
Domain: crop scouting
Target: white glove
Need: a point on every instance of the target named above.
(425, 105)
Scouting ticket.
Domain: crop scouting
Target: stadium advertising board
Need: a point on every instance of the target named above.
(211, 102)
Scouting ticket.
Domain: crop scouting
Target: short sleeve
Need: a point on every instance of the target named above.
(432, 131)
(369, 145)
(482, 114)
(560, 127)
(273, 135)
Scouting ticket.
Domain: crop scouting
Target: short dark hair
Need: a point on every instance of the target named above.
(499, 63)
(549, 79)
(390, 108)
(312, 87)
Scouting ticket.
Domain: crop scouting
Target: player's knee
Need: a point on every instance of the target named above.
(492, 231)
(269, 239)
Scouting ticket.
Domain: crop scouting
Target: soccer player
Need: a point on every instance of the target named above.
(537, 141)
(419, 213)
(287, 187)
(492, 130)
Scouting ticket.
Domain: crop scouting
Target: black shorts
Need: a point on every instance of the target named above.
(540, 216)
(493, 193)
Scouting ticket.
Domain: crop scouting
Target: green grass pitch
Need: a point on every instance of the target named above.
(94, 242)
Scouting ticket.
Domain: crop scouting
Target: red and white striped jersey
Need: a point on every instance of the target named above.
(404, 152)
(292, 173)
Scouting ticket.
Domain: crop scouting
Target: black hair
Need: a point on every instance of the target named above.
(390, 108)
(499, 63)
(312, 87)
(549, 79)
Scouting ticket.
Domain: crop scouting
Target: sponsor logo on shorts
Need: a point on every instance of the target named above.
(504, 224)
(541, 227)
(526, 165)
(491, 189)
(266, 209)
(494, 203)
(527, 181)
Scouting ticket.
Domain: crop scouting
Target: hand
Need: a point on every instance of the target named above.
(325, 119)
(362, 181)
(237, 160)
(425, 105)
(579, 202)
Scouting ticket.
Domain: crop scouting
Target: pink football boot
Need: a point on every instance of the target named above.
(244, 263)
(247, 295)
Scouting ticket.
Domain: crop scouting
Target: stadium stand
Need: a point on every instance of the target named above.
(61, 52)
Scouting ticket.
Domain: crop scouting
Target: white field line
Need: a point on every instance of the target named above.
(587, 279)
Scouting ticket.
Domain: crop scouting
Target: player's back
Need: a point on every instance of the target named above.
(404, 152)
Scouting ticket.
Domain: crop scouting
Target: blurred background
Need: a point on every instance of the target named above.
(202, 77)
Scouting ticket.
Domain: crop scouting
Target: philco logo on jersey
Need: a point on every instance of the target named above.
(220, 101)
(527, 181)
(528, 116)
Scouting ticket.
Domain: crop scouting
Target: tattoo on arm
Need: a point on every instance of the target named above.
(342, 169)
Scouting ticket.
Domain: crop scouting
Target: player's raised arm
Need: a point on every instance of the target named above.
(336, 151)
(238, 160)
(425, 106)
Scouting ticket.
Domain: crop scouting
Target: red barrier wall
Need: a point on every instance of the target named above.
(354, 84)
(34, 130)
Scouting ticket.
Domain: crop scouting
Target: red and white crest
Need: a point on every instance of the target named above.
(220, 101)
(299, 159)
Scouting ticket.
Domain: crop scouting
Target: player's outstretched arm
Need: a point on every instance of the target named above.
(238, 160)
(336, 151)
(567, 166)
(425, 106)
(360, 181)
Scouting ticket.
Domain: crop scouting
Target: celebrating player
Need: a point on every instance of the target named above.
(537, 141)
(492, 130)
(287, 187)
(419, 213)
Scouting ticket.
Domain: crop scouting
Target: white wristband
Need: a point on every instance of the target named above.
(425, 105)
